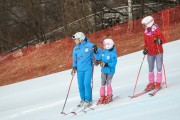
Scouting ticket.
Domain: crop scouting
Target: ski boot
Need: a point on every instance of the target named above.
(158, 86)
(158, 81)
(150, 87)
(80, 104)
(100, 101)
(87, 104)
(107, 99)
(102, 94)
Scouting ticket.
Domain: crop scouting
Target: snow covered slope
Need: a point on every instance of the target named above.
(43, 98)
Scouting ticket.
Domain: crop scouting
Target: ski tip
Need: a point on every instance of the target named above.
(74, 113)
(151, 94)
(63, 113)
(132, 96)
(84, 111)
(92, 108)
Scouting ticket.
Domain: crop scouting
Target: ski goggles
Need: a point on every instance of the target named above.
(74, 38)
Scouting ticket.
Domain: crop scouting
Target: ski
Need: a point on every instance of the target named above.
(78, 110)
(114, 99)
(92, 107)
(154, 92)
(88, 109)
(84, 110)
(139, 94)
(72, 111)
(144, 92)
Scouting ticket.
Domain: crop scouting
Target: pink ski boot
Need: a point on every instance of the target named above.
(158, 80)
(102, 94)
(109, 95)
(151, 85)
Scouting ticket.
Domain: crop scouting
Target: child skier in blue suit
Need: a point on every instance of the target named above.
(107, 59)
(83, 64)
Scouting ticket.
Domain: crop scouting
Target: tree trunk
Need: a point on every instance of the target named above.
(84, 15)
(130, 17)
(142, 8)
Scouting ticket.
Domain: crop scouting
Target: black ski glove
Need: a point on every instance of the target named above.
(96, 62)
(95, 48)
(103, 64)
(145, 51)
(73, 72)
(157, 41)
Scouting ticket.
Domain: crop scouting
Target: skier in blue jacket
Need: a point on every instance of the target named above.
(107, 59)
(83, 64)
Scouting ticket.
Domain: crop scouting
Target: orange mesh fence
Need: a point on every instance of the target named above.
(43, 59)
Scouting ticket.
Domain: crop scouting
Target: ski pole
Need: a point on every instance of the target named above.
(162, 65)
(67, 95)
(138, 75)
(92, 80)
(164, 74)
(92, 76)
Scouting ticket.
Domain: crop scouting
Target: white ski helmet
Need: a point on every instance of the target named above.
(108, 43)
(148, 21)
(79, 35)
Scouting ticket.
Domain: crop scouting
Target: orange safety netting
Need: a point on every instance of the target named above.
(43, 59)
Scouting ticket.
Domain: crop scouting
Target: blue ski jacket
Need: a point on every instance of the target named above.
(83, 55)
(109, 57)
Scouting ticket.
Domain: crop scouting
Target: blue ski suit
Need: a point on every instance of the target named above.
(83, 61)
(109, 57)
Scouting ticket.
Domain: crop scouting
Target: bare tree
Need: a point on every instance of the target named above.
(130, 16)
(32, 21)
(142, 8)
